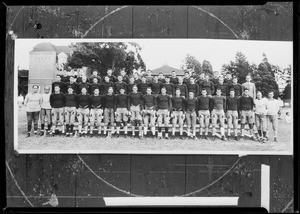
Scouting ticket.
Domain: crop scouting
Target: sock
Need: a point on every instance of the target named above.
(67, 128)
(264, 134)
(228, 132)
(153, 131)
(213, 131)
(206, 131)
(28, 128)
(35, 127)
(173, 131)
(125, 129)
(235, 132)
(145, 130)
(222, 131)
(180, 131)
(133, 131)
(49, 126)
(42, 127)
(105, 130)
(91, 129)
(259, 133)
(167, 134)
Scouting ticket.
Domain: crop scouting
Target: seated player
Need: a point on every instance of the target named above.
(177, 113)
(149, 106)
(203, 113)
(122, 110)
(135, 105)
(218, 104)
(164, 105)
(191, 106)
(96, 111)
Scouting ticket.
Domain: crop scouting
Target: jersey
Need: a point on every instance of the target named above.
(94, 86)
(155, 86)
(121, 101)
(118, 86)
(260, 106)
(208, 86)
(164, 102)
(193, 88)
(57, 100)
(232, 103)
(191, 104)
(135, 99)
(61, 85)
(83, 101)
(174, 80)
(223, 88)
(246, 103)
(251, 87)
(183, 90)
(33, 102)
(203, 103)
(149, 101)
(238, 89)
(74, 86)
(71, 100)
(45, 101)
(178, 104)
(218, 102)
(169, 88)
(95, 101)
(105, 86)
(109, 101)
(142, 87)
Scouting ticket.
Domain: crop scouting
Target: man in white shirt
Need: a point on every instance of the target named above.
(45, 111)
(250, 86)
(33, 102)
(260, 109)
(273, 108)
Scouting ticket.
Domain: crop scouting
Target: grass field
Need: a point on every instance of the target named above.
(128, 145)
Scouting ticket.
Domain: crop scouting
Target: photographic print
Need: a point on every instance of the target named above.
(174, 96)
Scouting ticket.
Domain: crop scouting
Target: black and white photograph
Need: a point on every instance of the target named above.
(153, 96)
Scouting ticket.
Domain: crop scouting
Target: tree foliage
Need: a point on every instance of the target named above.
(191, 63)
(107, 55)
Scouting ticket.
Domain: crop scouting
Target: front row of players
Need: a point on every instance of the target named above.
(143, 110)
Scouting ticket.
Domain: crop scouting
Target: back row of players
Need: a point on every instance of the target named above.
(144, 102)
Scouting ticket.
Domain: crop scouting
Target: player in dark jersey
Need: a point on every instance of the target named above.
(232, 108)
(221, 85)
(57, 102)
(119, 84)
(130, 85)
(200, 80)
(125, 77)
(247, 114)
(183, 88)
(135, 105)
(228, 78)
(83, 83)
(208, 86)
(122, 110)
(191, 106)
(238, 89)
(215, 79)
(71, 100)
(58, 82)
(96, 111)
(109, 109)
(155, 86)
(83, 112)
(148, 112)
(218, 104)
(161, 78)
(193, 87)
(174, 78)
(142, 87)
(177, 113)
(170, 89)
(73, 84)
(137, 79)
(203, 113)
(94, 85)
(186, 78)
(106, 85)
(95, 74)
(111, 77)
(164, 105)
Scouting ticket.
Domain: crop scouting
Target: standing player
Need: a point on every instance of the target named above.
(174, 78)
(228, 79)
(238, 89)
(45, 111)
(186, 78)
(149, 106)
(232, 108)
(83, 83)
(193, 87)
(72, 84)
(203, 113)
(215, 79)
(137, 79)
(58, 82)
(208, 86)
(177, 113)
(183, 88)
(142, 87)
(109, 109)
(161, 78)
(191, 106)
(200, 80)
(96, 111)
(218, 104)
(169, 86)
(130, 85)
(246, 108)
(121, 114)
(57, 102)
(260, 109)
(94, 74)
(164, 105)
(104, 86)
(71, 100)
(125, 77)
(155, 86)
(110, 75)
(119, 85)
(250, 86)
(135, 105)
(149, 77)
(221, 85)
(33, 102)
(94, 85)
(83, 112)
(273, 108)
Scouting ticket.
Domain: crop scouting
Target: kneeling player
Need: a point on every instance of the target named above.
(149, 106)
(164, 106)
(191, 106)
(232, 106)
(121, 114)
(178, 112)
(135, 103)
(218, 104)
(96, 111)
(83, 111)
(203, 113)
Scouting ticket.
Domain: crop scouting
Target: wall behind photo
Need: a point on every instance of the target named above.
(39, 176)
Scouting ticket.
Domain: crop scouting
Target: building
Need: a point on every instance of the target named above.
(45, 62)
(167, 70)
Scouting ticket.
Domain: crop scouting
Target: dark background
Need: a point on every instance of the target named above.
(38, 176)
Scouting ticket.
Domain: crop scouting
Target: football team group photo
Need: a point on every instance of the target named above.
(87, 94)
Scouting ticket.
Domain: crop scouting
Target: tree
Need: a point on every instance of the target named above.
(191, 63)
(107, 55)
(240, 67)
(207, 68)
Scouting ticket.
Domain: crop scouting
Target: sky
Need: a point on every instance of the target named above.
(157, 52)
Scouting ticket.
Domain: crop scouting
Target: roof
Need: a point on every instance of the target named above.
(23, 73)
(47, 46)
(167, 70)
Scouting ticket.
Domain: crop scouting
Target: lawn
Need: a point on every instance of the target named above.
(97, 144)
